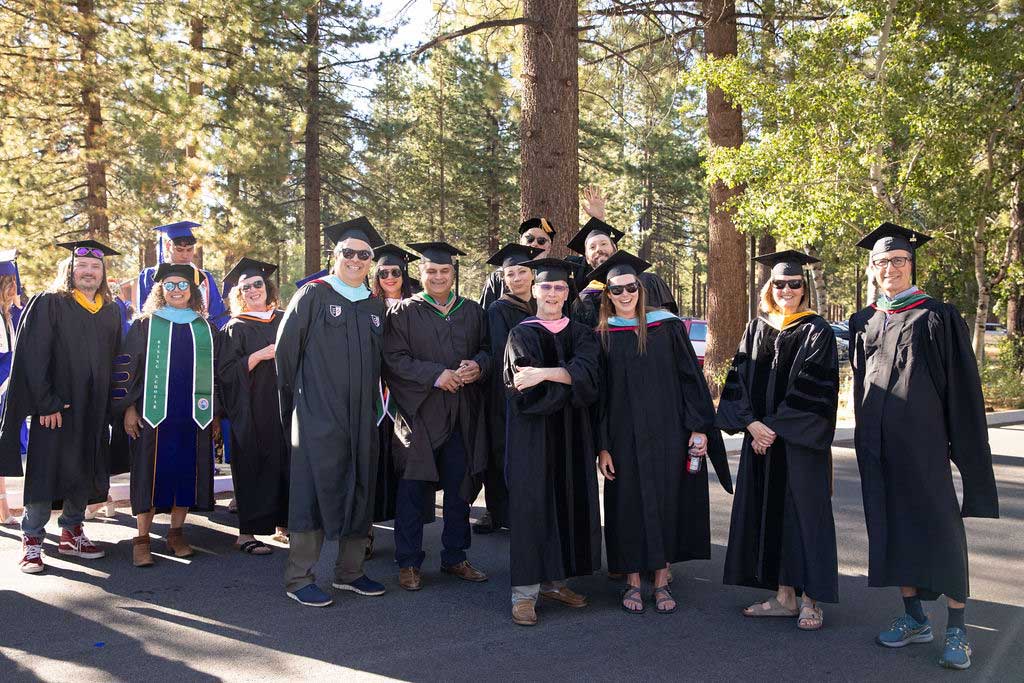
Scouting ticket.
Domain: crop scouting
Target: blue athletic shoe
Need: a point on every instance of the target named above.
(364, 585)
(905, 630)
(311, 596)
(957, 652)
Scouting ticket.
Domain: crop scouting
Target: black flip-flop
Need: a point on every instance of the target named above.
(250, 547)
(664, 589)
(628, 594)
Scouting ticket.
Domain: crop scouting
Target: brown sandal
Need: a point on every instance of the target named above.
(774, 609)
(811, 618)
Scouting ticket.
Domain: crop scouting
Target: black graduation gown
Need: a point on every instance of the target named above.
(328, 374)
(918, 404)
(553, 502)
(782, 529)
(586, 306)
(63, 356)
(259, 452)
(655, 512)
(171, 464)
(418, 345)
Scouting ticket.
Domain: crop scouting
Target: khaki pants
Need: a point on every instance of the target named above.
(304, 553)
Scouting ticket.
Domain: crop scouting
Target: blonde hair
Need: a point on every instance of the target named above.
(607, 310)
(8, 281)
(768, 304)
(237, 303)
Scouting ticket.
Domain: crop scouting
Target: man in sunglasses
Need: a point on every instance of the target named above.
(60, 379)
(918, 404)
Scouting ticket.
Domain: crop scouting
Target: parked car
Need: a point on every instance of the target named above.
(995, 330)
(698, 331)
(842, 332)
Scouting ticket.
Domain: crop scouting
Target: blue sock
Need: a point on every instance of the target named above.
(914, 609)
(956, 618)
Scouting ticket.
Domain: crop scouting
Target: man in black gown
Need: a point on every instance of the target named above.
(60, 378)
(436, 362)
(918, 404)
(328, 354)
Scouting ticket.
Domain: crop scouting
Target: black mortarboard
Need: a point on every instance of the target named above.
(619, 263)
(91, 245)
(393, 255)
(247, 267)
(358, 228)
(513, 255)
(889, 236)
(542, 223)
(436, 252)
(549, 269)
(9, 266)
(179, 230)
(309, 278)
(594, 227)
(786, 263)
(185, 270)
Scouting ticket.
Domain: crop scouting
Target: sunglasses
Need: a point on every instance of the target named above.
(897, 261)
(88, 251)
(252, 285)
(361, 254)
(617, 290)
(171, 286)
(541, 240)
(792, 284)
(548, 287)
(387, 273)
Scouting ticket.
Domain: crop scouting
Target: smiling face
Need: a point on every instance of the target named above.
(254, 292)
(352, 269)
(892, 279)
(390, 278)
(625, 301)
(87, 274)
(550, 296)
(787, 299)
(518, 280)
(177, 297)
(598, 248)
(438, 279)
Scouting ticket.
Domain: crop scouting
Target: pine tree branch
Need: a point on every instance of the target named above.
(482, 26)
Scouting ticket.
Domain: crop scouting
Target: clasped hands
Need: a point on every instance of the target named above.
(762, 437)
(453, 380)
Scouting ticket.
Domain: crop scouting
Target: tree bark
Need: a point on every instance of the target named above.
(1015, 296)
(311, 198)
(95, 164)
(549, 181)
(726, 308)
(818, 274)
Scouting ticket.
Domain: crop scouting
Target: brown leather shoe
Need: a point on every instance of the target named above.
(141, 556)
(177, 544)
(524, 613)
(409, 578)
(566, 596)
(465, 571)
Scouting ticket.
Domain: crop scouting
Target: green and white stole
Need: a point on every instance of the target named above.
(158, 361)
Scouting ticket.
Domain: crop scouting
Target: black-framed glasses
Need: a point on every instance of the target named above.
(361, 254)
(171, 286)
(539, 239)
(897, 261)
(792, 284)
(617, 290)
(88, 251)
(388, 273)
(551, 287)
(258, 284)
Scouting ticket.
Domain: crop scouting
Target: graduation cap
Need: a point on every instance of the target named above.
(786, 263)
(394, 255)
(542, 223)
(9, 265)
(549, 269)
(247, 267)
(593, 228)
(358, 228)
(619, 263)
(88, 248)
(889, 236)
(437, 252)
(513, 255)
(299, 284)
(185, 270)
(179, 230)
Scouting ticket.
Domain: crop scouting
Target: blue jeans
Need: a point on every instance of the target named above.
(410, 498)
(37, 514)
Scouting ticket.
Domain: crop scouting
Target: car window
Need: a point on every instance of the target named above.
(698, 331)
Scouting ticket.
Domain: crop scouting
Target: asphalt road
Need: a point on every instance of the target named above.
(224, 615)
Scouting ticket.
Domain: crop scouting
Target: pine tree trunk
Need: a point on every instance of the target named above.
(95, 164)
(549, 182)
(727, 273)
(1015, 296)
(820, 302)
(197, 28)
(311, 200)
(494, 231)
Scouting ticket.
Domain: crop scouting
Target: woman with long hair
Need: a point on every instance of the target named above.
(656, 425)
(782, 391)
(248, 383)
(166, 395)
(10, 291)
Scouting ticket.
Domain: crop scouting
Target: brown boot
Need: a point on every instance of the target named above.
(141, 556)
(409, 578)
(177, 544)
(524, 613)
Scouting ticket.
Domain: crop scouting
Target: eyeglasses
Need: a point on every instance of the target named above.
(792, 284)
(88, 251)
(617, 290)
(252, 285)
(557, 289)
(171, 286)
(388, 273)
(540, 240)
(361, 254)
(896, 261)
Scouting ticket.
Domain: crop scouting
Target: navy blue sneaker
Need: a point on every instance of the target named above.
(905, 630)
(957, 652)
(311, 596)
(364, 585)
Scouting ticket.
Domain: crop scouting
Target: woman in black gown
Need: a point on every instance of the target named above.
(248, 382)
(782, 391)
